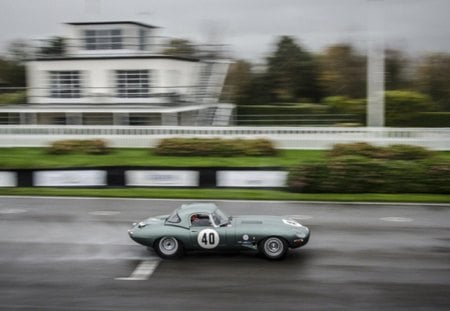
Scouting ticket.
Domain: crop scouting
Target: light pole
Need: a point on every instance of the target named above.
(375, 65)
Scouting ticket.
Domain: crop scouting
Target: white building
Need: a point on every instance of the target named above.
(120, 73)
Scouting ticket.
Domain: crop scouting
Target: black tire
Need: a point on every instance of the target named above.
(168, 247)
(273, 248)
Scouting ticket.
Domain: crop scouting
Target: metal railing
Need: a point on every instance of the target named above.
(129, 45)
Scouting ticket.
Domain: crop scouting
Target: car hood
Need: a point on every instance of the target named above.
(264, 220)
(157, 220)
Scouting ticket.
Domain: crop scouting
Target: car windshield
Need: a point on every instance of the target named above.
(220, 218)
(174, 218)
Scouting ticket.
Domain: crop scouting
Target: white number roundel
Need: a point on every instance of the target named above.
(208, 238)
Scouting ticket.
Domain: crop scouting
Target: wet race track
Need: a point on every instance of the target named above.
(75, 254)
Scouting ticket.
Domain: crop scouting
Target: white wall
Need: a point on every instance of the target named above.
(283, 137)
(99, 77)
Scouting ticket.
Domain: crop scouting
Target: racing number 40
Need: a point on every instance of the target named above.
(208, 238)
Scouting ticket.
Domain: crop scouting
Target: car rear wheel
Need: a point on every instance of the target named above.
(168, 247)
(273, 248)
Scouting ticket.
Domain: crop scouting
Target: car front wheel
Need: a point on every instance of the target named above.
(273, 248)
(168, 247)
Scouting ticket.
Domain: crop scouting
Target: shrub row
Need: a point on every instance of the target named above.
(374, 170)
(94, 146)
(214, 147)
(13, 98)
(393, 152)
(431, 119)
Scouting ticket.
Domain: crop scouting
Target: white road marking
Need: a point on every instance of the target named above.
(143, 271)
(397, 219)
(13, 211)
(300, 217)
(104, 213)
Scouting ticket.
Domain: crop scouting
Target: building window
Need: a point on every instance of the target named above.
(142, 39)
(103, 39)
(65, 84)
(132, 83)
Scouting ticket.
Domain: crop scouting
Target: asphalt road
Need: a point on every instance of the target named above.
(74, 254)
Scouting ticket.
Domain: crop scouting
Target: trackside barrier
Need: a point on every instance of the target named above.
(146, 177)
(317, 138)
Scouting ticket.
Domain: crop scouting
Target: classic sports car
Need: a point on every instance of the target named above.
(203, 226)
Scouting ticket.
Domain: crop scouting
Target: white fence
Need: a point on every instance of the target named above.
(283, 137)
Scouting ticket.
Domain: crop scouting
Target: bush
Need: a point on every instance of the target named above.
(307, 178)
(432, 119)
(437, 175)
(393, 152)
(13, 98)
(281, 114)
(353, 174)
(345, 105)
(362, 168)
(214, 147)
(95, 146)
(402, 107)
(406, 152)
(359, 149)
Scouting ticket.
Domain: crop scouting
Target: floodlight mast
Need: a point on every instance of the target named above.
(375, 65)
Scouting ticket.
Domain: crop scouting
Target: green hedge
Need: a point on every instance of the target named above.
(281, 114)
(94, 146)
(393, 152)
(431, 119)
(281, 109)
(214, 147)
(299, 114)
(370, 169)
(13, 98)
(345, 105)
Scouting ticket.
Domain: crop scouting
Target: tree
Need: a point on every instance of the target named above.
(293, 73)
(55, 46)
(433, 78)
(237, 81)
(404, 106)
(19, 51)
(343, 71)
(12, 73)
(257, 91)
(180, 47)
(396, 65)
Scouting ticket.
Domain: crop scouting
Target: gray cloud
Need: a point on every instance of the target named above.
(249, 26)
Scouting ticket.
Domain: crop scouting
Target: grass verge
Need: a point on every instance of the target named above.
(231, 194)
(17, 158)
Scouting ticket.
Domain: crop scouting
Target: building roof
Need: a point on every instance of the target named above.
(113, 23)
(109, 56)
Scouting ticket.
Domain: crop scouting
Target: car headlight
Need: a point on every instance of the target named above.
(292, 222)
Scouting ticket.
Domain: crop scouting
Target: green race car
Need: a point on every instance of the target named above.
(203, 226)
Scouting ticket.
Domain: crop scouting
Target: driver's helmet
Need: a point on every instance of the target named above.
(194, 218)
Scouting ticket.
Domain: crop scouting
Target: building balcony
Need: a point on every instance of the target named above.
(161, 96)
(126, 47)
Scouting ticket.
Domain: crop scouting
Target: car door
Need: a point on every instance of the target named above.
(206, 236)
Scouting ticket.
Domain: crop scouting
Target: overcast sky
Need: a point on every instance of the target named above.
(250, 27)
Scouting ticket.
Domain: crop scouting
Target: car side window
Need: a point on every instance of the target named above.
(200, 220)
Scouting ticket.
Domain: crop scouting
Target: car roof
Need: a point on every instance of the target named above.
(186, 210)
(197, 208)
